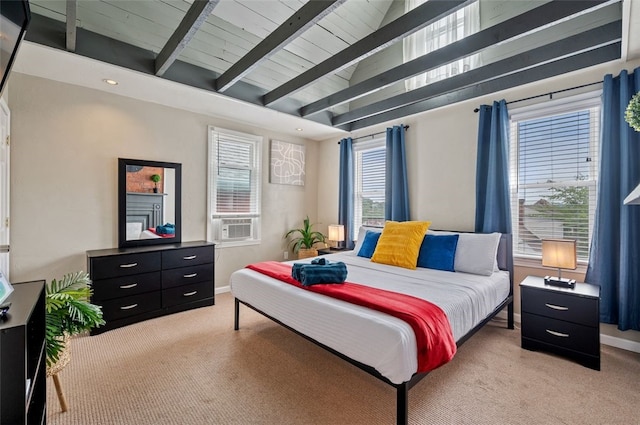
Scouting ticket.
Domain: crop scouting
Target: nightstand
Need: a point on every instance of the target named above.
(325, 251)
(562, 321)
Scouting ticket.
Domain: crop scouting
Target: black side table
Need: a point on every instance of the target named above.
(564, 321)
(330, 250)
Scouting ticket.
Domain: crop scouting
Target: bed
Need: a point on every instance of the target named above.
(380, 344)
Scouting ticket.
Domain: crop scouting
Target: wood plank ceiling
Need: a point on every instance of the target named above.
(317, 59)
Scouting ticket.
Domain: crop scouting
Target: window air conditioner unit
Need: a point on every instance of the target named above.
(235, 228)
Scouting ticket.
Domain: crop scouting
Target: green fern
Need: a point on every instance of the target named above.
(69, 311)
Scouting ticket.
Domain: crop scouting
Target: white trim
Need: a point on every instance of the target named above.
(222, 289)
(625, 344)
(557, 106)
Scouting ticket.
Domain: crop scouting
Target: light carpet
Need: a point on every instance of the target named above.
(193, 368)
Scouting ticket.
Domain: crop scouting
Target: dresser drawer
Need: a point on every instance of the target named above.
(122, 265)
(575, 337)
(580, 310)
(185, 257)
(187, 275)
(130, 306)
(126, 285)
(187, 293)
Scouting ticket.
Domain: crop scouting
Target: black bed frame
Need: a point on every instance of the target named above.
(505, 262)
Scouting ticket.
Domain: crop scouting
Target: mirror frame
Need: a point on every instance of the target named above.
(122, 203)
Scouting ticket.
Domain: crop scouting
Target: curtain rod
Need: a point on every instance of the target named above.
(550, 94)
(406, 127)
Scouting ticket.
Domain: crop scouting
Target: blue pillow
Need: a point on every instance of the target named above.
(369, 244)
(438, 252)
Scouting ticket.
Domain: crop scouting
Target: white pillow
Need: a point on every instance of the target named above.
(361, 232)
(476, 252)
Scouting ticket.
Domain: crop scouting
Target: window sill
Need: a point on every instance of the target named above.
(222, 245)
(537, 264)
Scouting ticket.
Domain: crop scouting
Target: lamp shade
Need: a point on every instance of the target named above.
(559, 253)
(336, 232)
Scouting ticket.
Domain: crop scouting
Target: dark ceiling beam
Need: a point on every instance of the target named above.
(72, 10)
(582, 60)
(190, 24)
(405, 25)
(606, 34)
(307, 16)
(520, 24)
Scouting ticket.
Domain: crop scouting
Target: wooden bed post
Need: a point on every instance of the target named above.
(402, 404)
(236, 319)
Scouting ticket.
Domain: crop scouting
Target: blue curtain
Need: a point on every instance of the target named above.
(345, 197)
(396, 203)
(614, 259)
(493, 209)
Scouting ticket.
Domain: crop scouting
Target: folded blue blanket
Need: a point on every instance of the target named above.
(295, 270)
(167, 229)
(312, 274)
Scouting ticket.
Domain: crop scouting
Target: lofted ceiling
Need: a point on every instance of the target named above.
(335, 62)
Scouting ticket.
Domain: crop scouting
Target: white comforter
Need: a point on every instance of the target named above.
(376, 339)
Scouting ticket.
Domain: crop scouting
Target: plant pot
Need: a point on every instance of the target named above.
(155, 190)
(307, 253)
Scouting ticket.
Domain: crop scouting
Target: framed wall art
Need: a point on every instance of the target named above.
(287, 163)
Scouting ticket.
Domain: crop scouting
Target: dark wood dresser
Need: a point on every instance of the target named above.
(23, 387)
(563, 321)
(134, 284)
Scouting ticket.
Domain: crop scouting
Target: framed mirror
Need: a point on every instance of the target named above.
(149, 202)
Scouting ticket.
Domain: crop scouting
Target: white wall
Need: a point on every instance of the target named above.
(65, 144)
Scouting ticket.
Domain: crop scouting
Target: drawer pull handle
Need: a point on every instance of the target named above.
(554, 333)
(133, 285)
(128, 307)
(557, 307)
(188, 294)
(126, 266)
(189, 257)
(191, 275)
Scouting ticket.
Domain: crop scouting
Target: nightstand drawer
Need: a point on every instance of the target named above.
(125, 286)
(122, 265)
(187, 293)
(580, 310)
(562, 334)
(187, 275)
(187, 257)
(129, 306)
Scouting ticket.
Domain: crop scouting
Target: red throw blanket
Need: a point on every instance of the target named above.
(430, 324)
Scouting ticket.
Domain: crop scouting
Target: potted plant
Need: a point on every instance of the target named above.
(68, 313)
(155, 178)
(303, 244)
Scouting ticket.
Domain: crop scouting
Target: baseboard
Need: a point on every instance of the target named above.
(625, 344)
(612, 341)
(223, 289)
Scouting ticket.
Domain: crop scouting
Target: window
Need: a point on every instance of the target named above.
(369, 174)
(447, 30)
(554, 173)
(234, 187)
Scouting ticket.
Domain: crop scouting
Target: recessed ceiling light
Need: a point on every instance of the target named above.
(111, 82)
(298, 129)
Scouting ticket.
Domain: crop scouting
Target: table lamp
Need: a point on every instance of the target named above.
(336, 233)
(559, 253)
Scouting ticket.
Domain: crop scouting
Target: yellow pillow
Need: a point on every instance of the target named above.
(399, 243)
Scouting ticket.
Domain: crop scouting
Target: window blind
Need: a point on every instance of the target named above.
(554, 167)
(235, 179)
(369, 175)
(234, 187)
